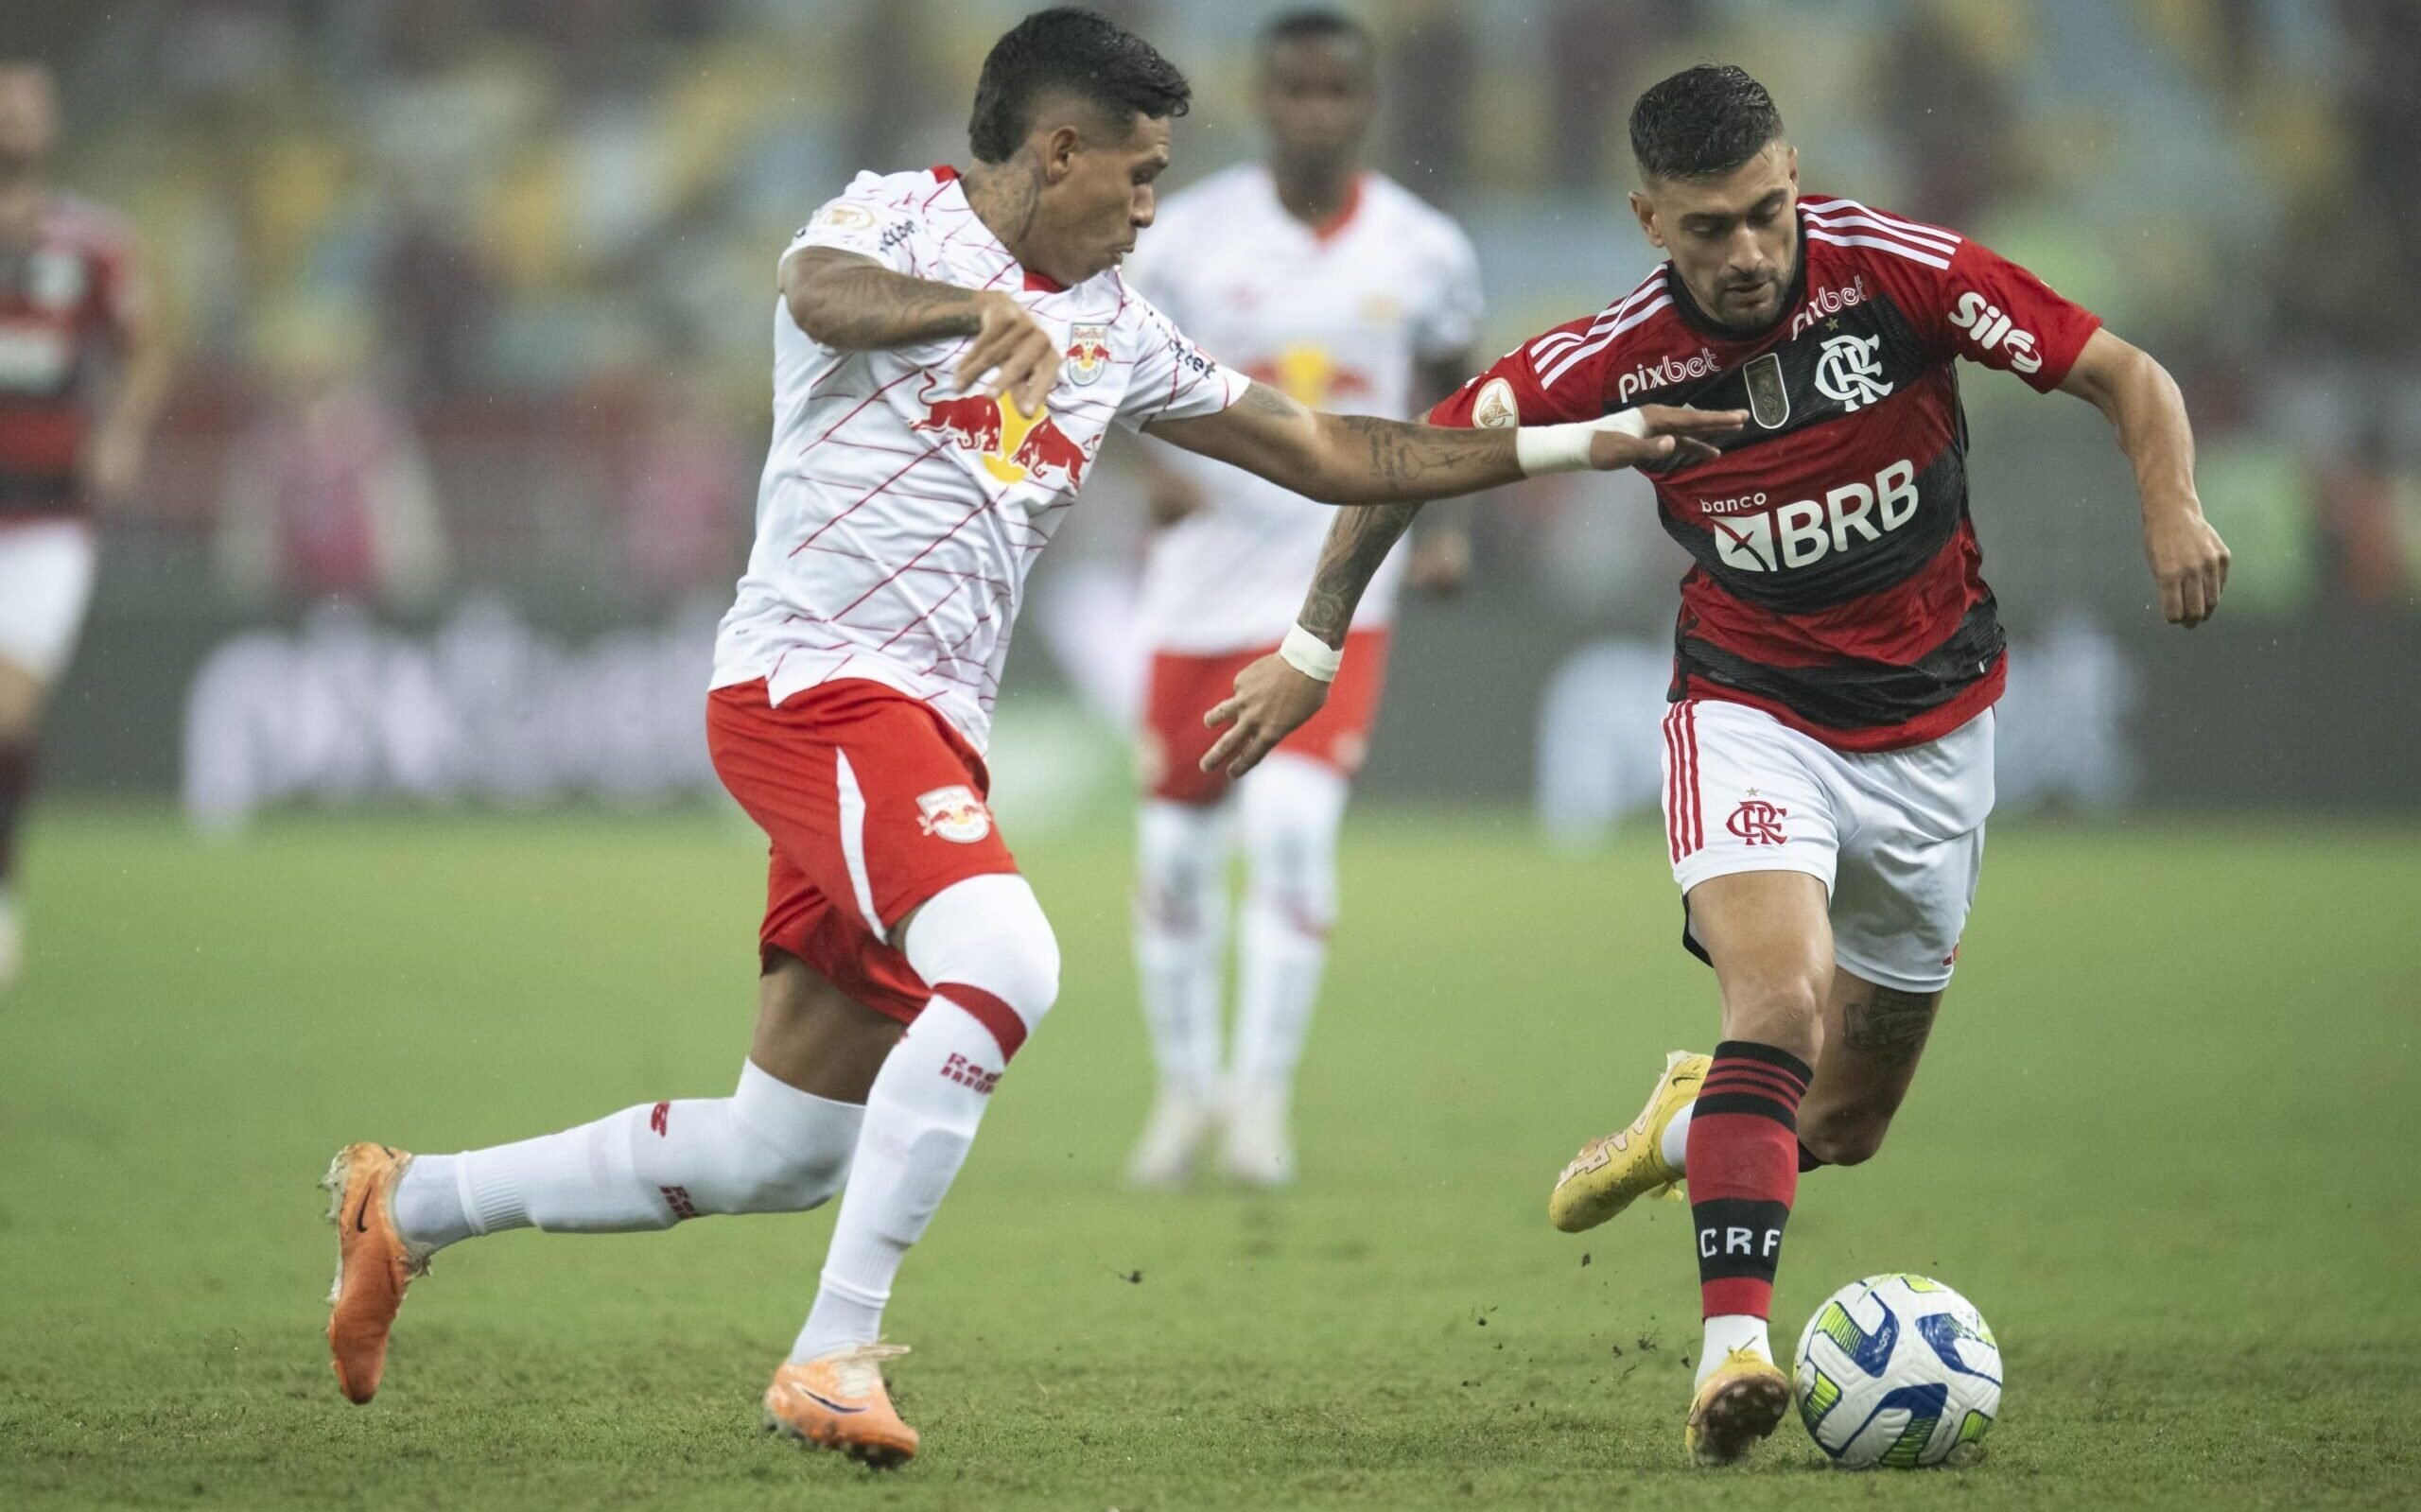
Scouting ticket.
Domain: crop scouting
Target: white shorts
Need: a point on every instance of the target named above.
(1897, 837)
(45, 581)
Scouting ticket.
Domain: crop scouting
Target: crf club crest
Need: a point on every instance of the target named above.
(1757, 823)
(954, 813)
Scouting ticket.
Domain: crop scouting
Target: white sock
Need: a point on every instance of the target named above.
(767, 1148)
(1290, 810)
(1726, 1331)
(1675, 1145)
(922, 1119)
(1180, 936)
(986, 940)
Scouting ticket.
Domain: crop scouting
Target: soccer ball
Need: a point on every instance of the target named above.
(1898, 1370)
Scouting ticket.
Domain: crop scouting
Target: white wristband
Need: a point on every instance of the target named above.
(1310, 655)
(1565, 448)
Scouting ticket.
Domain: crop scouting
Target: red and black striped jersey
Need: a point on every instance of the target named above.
(65, 294)
(1837, 582)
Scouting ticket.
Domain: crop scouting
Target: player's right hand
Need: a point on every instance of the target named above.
(1676, 437)
(1272, 700)
(1011, 354)
(2189, 564)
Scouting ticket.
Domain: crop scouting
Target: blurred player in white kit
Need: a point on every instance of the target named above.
(1337, 286)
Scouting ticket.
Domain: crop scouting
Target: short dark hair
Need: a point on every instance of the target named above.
(1702, 123)
(1313, 24)
(1069, 50)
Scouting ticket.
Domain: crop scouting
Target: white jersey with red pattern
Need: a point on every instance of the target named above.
(1339, 316)
(1837, 583)
(896, 517)
(65, 295)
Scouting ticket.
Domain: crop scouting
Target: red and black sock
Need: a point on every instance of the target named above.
(16, 781)
(1744, 1170)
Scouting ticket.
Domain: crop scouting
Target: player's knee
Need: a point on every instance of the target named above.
(989, 933)
(1844, 1137)
(792, 1180)
(1784, 1011)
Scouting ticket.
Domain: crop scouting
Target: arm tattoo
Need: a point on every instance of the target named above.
(1402, 455)
(1356, 544)
(1889, 1026)
(857, 305)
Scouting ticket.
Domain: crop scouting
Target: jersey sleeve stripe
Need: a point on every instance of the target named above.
(1546, 346)
(1600, 342)
(1851, 212)
(1817, 233)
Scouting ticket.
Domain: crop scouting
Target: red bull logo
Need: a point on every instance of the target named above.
(1014, 445)
(953, 813)
(1087, 354)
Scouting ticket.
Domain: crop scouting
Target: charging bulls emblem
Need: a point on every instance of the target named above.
(1087, 354)
(955, 815)
(1013, 443)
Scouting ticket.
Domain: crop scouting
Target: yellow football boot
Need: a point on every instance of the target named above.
(1610, 1174)
(839, 1402)
(1737, 1406)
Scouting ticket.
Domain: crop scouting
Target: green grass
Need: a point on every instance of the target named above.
(2165, 1138)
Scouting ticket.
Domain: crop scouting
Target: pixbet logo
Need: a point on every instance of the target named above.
(1805, 530)
(1989, 328)
(1672, 369)
(1826, 302)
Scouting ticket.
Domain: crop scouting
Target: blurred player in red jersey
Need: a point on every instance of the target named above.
(1829, 748)
(949, 352)
(1338, 285)
(82, 376)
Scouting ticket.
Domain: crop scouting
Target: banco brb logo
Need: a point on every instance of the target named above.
(1851, 370)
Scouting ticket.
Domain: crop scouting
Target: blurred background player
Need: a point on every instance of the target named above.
(949, 352)
(82, 376)
(1829, 744)
(1336, 285)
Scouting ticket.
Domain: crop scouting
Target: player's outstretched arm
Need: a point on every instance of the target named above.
(853, 304)
(2189, 562)
(1274, 697)
(1359, 459)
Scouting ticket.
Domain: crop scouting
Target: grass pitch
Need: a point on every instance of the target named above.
(2164, 1138)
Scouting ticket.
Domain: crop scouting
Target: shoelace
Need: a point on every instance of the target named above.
(858, 1372)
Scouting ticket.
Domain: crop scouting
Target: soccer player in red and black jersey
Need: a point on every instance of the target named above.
(1829, 744)
(82, 376)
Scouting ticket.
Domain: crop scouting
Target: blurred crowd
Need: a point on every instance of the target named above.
(476, 292)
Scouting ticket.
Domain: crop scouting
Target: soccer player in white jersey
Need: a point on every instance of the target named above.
(1337, 285)
(949, 352)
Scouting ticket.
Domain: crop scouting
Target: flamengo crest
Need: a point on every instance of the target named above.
(1851, 371)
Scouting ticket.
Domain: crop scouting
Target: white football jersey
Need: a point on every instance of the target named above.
(1337, 316)
(896, 517)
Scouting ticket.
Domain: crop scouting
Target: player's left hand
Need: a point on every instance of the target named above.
(113, 463)
(1272, 700)
(2189, 562)
(1441, 562)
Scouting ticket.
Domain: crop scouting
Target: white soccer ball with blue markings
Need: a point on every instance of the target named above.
(1898, 1371)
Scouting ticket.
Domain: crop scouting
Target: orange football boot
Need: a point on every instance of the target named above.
(839, 1402)
(373, 1264)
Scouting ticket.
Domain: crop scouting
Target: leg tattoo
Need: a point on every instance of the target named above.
(1887, 1025)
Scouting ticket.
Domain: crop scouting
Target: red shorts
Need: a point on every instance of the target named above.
(1183, 688)
(874, 803)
